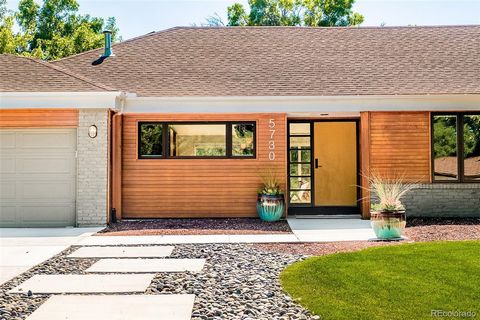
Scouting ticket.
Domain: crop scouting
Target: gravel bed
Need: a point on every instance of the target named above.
(418, 230)
(194, 226)
(321, 248)
(237, 282)
(19, 306)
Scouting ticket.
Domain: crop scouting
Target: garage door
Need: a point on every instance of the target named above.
(37, 177)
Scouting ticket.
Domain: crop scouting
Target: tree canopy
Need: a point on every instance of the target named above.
(51, 30)
(313, 13)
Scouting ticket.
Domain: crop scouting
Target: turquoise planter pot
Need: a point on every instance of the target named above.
(388, 225)
(270, 208)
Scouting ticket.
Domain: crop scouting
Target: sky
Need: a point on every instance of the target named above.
(136, 18)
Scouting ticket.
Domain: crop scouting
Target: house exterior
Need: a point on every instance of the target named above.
(198, 114)
(51, 172)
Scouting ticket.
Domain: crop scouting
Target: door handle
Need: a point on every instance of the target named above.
(316, 163)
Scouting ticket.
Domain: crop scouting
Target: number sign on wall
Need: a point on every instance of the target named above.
(271, 141)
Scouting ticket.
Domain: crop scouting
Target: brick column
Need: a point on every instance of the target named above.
(92, 168)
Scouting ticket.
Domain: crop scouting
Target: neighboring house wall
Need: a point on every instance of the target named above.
(198, 187)
(92, 168)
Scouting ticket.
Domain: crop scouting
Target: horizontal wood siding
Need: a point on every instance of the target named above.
(30, 118)
(400, 145)
(161, 188)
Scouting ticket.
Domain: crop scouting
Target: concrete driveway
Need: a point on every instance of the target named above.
(23, 248)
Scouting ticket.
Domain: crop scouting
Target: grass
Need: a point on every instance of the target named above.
(392, 282)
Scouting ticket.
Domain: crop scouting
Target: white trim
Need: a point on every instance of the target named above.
(53, 100)
(300, 104)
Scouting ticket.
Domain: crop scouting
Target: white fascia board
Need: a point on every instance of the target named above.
(299, 104)
(59, 100)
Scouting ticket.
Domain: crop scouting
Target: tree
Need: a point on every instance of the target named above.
(9, 40)
(314, 13)
(3, 9)
(214, 21)
(53, 30)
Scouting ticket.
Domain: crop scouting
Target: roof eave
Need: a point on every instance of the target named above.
(59, 100)
(289, 104)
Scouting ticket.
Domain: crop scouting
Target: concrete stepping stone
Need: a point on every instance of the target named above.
(85, 283)
(122, 252)
(116, 307)
(147, 265)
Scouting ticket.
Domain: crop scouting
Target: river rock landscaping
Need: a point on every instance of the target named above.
(418, 230)
(194, 226)
(237, 282)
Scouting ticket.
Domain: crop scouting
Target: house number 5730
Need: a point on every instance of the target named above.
(271, 141)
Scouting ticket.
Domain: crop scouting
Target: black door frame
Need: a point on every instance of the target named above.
(311, 209)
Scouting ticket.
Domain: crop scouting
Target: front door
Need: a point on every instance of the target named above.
(335, 163)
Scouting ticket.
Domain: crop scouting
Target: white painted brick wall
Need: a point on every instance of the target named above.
(92, 168)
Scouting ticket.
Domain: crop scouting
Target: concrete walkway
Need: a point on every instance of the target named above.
(331, 230)
(125, 275)
(304, 230)
(23, 248)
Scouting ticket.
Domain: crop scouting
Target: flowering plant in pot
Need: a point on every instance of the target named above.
(270, 198)
(388, 218)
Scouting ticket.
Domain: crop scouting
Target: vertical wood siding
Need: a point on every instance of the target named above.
(365, 162)
(400, 145)
(197, 187)
(29, 118)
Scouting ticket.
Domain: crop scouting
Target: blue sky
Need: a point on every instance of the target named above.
(139, 17)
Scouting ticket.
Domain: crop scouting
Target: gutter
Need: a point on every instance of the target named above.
(302, 104)
(59, 100)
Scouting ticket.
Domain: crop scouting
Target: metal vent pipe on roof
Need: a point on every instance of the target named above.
(108, 44)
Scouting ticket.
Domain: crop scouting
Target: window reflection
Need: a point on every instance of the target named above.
(471, 147)
(242, 140)
(151, 140)
(197, 140)
(445, 147)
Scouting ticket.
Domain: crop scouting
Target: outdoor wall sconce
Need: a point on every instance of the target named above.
(92, 131)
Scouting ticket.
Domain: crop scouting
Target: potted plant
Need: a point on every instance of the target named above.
(270, 199)
(387, 217)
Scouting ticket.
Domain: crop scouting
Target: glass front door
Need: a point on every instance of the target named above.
(322, 164)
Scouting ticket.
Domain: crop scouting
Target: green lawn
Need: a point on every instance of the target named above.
(393, 282)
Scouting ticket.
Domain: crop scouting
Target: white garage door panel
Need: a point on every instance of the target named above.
(7, 191)
(37, 181)
(44, 164)
(62, 191)
(8, 214)
(7, 164)
(51, 215)
(46, 140)
(7, 140)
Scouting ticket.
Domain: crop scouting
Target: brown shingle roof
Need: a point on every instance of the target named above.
(22, 74)
(291, 61)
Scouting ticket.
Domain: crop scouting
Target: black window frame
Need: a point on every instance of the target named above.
(460, 146)
(311, 163)
(166, 139)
